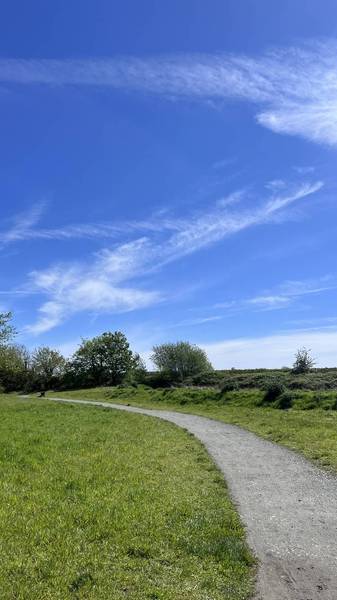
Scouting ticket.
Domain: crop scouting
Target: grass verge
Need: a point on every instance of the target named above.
(98, 504)
(312, 432)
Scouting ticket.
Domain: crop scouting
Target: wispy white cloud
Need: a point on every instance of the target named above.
(73, 290)
(269, 302)
(25, 227)
(310, 286)
(318, 322)
(281, 296)
(197, 321)
(209, 228)
(103, 283)
(295, 87)
(224, 163)
(22, 224)
(276, 185)
(304, 170)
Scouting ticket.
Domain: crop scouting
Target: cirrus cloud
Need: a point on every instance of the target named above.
(294, 89)
(106, 282)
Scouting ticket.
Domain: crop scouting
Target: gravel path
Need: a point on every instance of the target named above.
(288, 505)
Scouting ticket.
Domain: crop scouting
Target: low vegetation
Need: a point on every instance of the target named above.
(96, 504)
(310, 426)
(107, 360)
(99, 504)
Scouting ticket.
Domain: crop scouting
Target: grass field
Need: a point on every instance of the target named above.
(312, 432)
(98, 504)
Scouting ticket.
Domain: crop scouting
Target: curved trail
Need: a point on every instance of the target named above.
(288, 505)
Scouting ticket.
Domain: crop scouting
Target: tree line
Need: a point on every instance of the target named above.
(106, 359)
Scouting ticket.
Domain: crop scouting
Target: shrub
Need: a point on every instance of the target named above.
(303, 361)
(229, 385)
(160, 379)
(308, 403)
(284, 401)
(300, 383)
(273, 389)
(204, 379)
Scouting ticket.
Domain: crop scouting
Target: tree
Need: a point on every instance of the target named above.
(137, 374)
(303, 361)
(7, 331)
(180, 360)
(14, 367)
(103, 360)
(46, 364)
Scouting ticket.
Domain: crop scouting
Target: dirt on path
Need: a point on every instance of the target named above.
(288, 505)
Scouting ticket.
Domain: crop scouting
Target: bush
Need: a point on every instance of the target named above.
(204, 379)
(300, 383)
(303, 361)
(284, 401)
(310, 403)
(160, 379)
(229, 385)
(273, 389)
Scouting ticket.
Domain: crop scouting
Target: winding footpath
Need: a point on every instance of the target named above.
(289, 506)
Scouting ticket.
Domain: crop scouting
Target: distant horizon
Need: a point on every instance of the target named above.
(273, 352)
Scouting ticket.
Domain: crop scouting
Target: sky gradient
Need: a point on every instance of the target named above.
(169, 170)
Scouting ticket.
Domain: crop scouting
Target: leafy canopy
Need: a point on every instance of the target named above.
(7, 331)
(104, 360)
(47, 362)
(14, 366)
(180, 359)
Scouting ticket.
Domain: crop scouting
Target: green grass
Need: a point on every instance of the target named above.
(312, 432)
(98, 504)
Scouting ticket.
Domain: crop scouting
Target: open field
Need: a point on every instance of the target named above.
(101, 505)
(289, 506)
(312, 432)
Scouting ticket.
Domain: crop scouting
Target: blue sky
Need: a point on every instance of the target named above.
(168, 169)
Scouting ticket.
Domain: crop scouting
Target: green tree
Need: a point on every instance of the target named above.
(46, 364)
(137, 373)
(7, 331)
(180, 360)
(103, 360)
(14, 367)
(303, 361)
